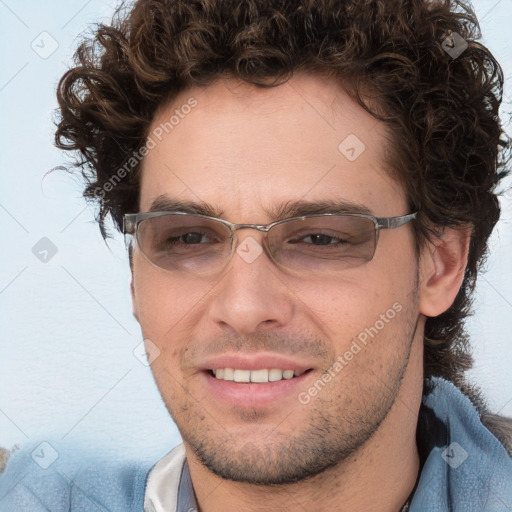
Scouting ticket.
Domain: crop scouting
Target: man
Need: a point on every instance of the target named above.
(309, 188)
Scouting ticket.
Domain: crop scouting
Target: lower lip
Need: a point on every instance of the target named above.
(253, 395)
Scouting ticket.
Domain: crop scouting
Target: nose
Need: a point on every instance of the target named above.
(252, 295)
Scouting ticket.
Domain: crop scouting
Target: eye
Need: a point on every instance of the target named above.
(322, 239)
(192, 238)
(179, 241)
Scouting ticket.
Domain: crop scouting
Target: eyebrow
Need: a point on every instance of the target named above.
(164, 203)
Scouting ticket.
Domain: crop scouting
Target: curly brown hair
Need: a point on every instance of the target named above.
(448, 148)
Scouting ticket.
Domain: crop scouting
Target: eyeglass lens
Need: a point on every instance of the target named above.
(196, 244)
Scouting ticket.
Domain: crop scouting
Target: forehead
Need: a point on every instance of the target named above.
(245, 149)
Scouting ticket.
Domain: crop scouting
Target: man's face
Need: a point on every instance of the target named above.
(246, 151)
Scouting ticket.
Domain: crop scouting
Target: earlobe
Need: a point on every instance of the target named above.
(442, 266)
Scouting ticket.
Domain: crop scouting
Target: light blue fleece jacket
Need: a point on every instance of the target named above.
(465, 469)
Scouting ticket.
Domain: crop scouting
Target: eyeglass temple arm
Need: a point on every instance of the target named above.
(395, 222)
(129, 223)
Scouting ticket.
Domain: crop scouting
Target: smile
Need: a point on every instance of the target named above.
(260, 376)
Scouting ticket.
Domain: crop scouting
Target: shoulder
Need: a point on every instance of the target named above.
(38, 478)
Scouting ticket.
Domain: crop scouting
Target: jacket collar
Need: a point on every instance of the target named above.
(465, 467)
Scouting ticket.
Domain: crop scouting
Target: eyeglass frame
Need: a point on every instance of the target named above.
(131, 222)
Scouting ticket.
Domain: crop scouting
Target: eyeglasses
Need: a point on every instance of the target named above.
(184, 242)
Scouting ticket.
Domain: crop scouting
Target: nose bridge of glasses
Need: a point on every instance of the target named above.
(237, 239)
(259, 227)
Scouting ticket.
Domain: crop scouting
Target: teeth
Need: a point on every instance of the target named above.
(256, 376)
(242, 376)
(259, 376)
(229, 374)
(275, 374)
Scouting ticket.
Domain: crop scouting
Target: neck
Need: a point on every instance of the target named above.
(379, 476)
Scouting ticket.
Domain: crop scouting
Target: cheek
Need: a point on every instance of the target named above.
(167, 316)
(370, 326)
(167, 308)
(345, 306)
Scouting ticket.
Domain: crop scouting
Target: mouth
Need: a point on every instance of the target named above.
(255, 381)
(258, 376)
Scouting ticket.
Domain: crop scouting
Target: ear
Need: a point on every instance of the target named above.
(442, 265)
(135, 310)
(132, 286)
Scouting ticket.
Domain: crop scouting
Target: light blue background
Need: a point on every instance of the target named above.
(67, 369)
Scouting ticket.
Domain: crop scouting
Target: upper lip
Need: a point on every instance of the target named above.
(254, 362)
